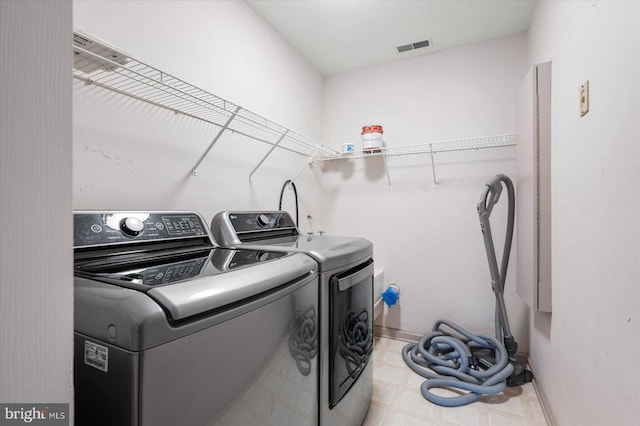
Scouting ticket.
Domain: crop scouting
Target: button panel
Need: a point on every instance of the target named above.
(98, 228)
(247, 222)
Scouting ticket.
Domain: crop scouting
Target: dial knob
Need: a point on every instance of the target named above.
(263, 220)
(131, 226)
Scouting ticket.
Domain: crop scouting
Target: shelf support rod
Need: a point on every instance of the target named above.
(308, 163)
(275, 145)
(433, 166)
(194, 169)
(386, 169)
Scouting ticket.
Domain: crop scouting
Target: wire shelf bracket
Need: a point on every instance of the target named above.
(275, 145)
(307, 164)
(194, 169)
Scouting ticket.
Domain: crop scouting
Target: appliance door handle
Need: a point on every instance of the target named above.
(350, 280)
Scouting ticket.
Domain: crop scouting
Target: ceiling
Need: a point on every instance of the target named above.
(342, 35)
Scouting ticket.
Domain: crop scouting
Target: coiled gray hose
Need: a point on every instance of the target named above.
(447, 361)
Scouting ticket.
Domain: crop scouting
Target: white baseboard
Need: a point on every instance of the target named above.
(393, 333)
(544, 402)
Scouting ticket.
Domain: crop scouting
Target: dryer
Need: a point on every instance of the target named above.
(345, 266)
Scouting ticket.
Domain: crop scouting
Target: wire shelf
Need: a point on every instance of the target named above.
(440, 147)
(96, 63)
(101, 65)
(432, 150)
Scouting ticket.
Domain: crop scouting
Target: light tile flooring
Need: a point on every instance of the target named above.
(397, 399)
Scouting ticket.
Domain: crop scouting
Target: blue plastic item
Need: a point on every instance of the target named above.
(390, 295)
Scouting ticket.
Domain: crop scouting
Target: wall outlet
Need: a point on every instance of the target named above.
(584, 99)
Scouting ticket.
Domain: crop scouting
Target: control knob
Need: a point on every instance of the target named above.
(263, 220)
(131, 226)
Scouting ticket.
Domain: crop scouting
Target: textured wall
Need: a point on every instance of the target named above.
(36, 302)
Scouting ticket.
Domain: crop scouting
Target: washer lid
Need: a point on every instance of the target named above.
(187, 283)
(206, 293)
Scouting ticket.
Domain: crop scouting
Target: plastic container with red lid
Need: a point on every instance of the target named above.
(372, 138)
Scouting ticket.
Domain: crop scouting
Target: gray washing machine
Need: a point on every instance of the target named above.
(171, 330)
(346, 304)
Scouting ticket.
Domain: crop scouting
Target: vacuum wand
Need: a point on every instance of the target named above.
(488, 199)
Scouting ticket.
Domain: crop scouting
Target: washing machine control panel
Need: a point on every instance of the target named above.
(100, 228)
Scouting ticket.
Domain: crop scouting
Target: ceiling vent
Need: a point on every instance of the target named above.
(413, 46)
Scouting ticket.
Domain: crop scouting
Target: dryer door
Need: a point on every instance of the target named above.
(351, 328)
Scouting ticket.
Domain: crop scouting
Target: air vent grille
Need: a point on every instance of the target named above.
(413, 46)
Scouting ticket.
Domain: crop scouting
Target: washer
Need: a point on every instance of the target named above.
(171, 330)
(346, 304)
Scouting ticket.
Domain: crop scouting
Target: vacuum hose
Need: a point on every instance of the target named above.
(447, 361)
(477, 364)
(295, 192)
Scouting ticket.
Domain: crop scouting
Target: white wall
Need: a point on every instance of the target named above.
(428, 239)
(131, 155)
(36, 302)
(585, 353)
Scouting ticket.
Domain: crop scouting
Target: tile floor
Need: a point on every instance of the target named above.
(397, 399)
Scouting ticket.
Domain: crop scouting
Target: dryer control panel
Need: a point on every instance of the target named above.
(232, 228)
(255, 221)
